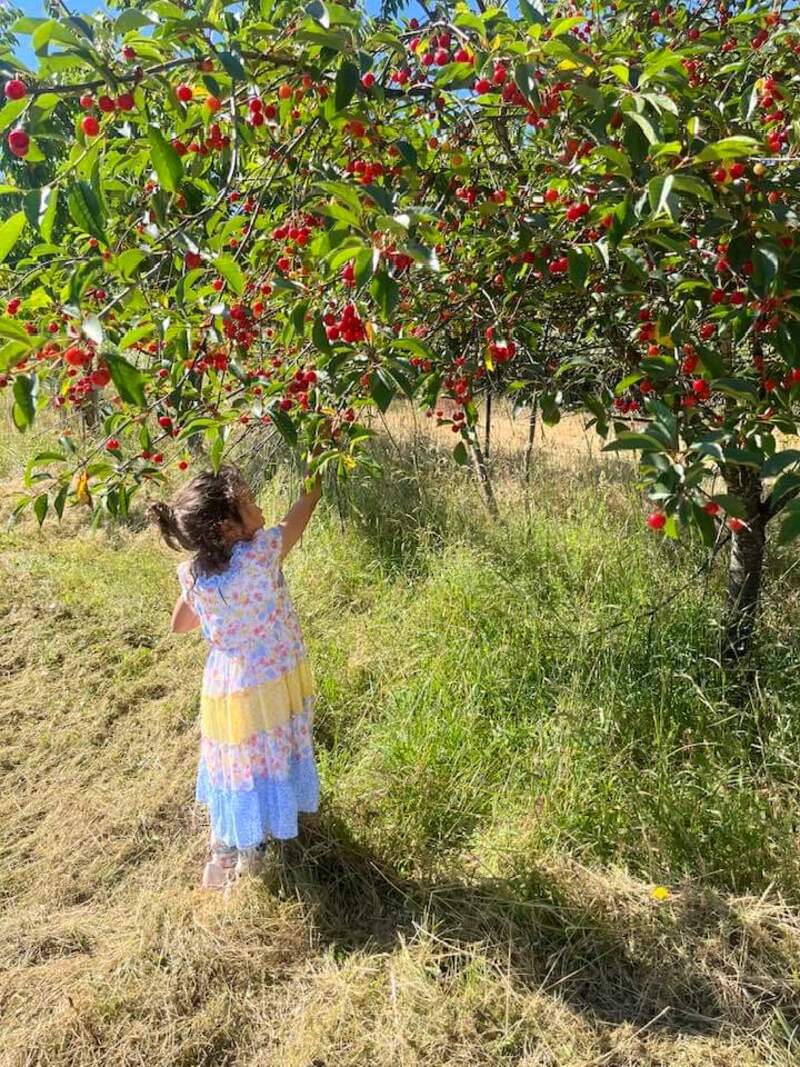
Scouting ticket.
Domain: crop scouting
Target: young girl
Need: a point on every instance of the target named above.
(256, 769)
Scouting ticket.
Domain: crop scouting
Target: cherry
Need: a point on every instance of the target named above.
(551, 196)
(192, 260)
(213, 103)
(19, 142)
(657, 520)
(701, 389)
(184, 93)
(16, 89)
(707, 330)
(482, 85)
(737, 170)
(712, 508)
(183, 464)
(129, 53)
(106, 104)
(86, 101)
(112, 444)
(285, 92)
(101, 377)
(736, 525)
(90, 126)
(368, 80)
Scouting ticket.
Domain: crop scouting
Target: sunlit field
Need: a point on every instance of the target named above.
(553, 832)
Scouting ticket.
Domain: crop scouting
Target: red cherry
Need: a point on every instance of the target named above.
(712, 508)
(736, 525)
(16, 89)
(106, 104)
(75, 356)
(368, 80)
(701, 389)
(90, 125)
(184, 93)
(213, 103)
(192, 260)
(551, 196)
(112, 444)
(482, 85)
(129, 53)
(657, 520)
(717, 296)
(19, 142)
(86, 101)
(183, 465)
(737, 170)
(285, 92)
(441, 57)
(101, 377)
(165, 422)
(720, 175)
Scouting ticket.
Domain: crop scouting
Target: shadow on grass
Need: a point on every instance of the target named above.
(630, 969)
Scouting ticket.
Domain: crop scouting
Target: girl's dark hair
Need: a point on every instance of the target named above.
(194, 521)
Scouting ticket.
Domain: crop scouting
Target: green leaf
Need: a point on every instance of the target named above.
(129, 262)
(320, 337)
(739, 388)
(24, 402)
(382, 388)
(779, 462)
(10, 232)
(731, 505)
(346, 84)
(40, 506)
(618, 159)
(232, 273)
(460, 454)
(10, 112)
(790, 528)
(644, 125)
(60, 500)
(131, 20)
(166, 161)
(693, 187)
(658, 193)
(284, 425)
(728, 148)
(232, 65)
(789, 482)
(86, 210)
(386, 293)
(138, 333)
(407, 151)
(48, 205)
(129, 380)
(578, 267)
(635, 442)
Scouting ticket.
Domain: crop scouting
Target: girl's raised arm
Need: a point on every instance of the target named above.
(296, 520)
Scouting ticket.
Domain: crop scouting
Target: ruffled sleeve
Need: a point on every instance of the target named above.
(186, 582)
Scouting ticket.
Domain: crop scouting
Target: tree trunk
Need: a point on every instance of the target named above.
(531, 438)
(482, 470)
(746, 566)
(487, 439)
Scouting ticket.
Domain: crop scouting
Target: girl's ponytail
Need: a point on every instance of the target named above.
(167, 521)
(195, 521)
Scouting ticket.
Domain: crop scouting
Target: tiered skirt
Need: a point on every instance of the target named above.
(257, 769)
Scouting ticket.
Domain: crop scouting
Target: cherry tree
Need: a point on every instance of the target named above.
(217, 218)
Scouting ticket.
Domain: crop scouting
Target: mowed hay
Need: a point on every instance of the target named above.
(505, 781)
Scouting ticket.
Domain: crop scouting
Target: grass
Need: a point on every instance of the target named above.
(513, 754)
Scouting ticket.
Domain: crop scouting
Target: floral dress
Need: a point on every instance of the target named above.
(256, 769)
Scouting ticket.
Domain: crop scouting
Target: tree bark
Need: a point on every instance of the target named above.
(531, 438)
(746, 566)
(484, 478)
(487, 438)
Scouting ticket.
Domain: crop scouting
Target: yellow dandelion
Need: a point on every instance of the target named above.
(660, 892)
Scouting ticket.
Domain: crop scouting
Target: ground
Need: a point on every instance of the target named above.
(519, 740)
